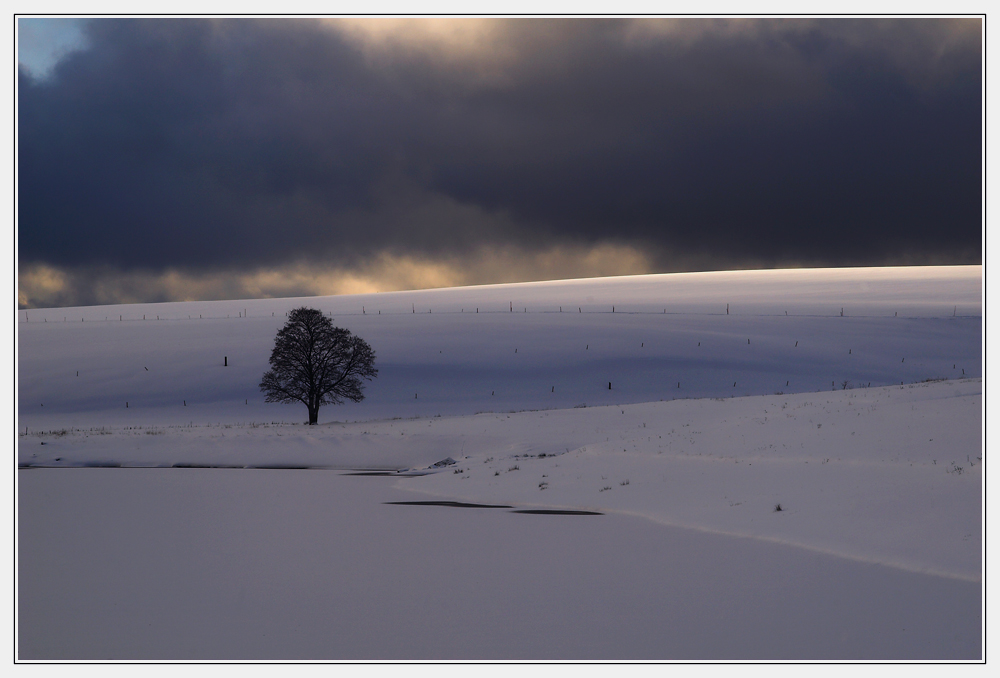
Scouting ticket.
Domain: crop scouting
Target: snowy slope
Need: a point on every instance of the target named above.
(876, 552)
(653, 338)
(888, 475)
(194, 564)
(820, 442)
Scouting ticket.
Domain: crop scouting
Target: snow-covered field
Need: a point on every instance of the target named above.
(866, 429)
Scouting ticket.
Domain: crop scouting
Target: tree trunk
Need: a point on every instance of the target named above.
(313, 414)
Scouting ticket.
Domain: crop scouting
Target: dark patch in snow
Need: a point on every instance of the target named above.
(395, 474)
(558, 512)
(453, 504)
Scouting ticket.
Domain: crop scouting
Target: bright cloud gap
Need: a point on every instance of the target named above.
(43, 285)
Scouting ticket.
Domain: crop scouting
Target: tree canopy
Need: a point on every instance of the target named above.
(316, 364)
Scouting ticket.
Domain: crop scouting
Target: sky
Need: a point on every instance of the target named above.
(165, 159)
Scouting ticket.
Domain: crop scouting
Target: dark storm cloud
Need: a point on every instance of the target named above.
(237, 143)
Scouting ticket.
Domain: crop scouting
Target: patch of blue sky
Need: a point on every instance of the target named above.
(43, 41)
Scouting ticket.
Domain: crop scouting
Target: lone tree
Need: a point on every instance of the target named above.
(315, 363)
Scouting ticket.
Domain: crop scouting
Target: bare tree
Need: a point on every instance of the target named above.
(316, 364)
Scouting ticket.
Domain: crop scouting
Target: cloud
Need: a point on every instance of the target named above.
(479, 50)
(47, 286)
(224, 147)
(42, 285)
(41, 43)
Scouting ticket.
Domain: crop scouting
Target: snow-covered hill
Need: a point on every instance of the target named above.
(514, 347)
(859, 414)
